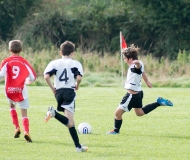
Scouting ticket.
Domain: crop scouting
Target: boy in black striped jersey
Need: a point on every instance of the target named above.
(134, 95)
(67, 77)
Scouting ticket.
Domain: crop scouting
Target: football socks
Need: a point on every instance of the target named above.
(25, 123)
(150, 107)
(14, 117)
(117, 125)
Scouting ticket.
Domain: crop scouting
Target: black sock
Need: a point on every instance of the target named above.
(117, 125)
(64, 120)
(150, 107)
(74, 136)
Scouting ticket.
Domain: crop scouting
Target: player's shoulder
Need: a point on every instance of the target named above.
(141, 63)
(76, 62)
(22, 59)
(55, 61)
(62, 60)
(17, 58)
(6, 59)
(73, 62)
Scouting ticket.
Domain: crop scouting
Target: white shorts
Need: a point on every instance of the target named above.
(70, 107)
(23, 104)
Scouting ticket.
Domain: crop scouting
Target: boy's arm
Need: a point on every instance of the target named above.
(2, 69)
(48, 81)
(145, 78)
(1, 74)
(78, 81)
(31, 78)
(32, 75)
(137, 64)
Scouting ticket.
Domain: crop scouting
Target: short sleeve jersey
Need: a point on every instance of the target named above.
(134, 76)
(65, 71)
(16, 69)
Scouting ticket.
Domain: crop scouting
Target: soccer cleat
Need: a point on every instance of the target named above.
(50, 114)
(82, 149)
(112, 132)
(27, 137)
(164, 102)
(17, 132)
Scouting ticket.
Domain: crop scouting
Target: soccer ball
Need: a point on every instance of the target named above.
(84, 128)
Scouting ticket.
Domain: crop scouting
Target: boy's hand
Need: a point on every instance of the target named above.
(149, 84)
(54, 90)
(76, 86)
(137, 63)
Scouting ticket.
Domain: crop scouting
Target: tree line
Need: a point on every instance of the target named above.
(159, 27)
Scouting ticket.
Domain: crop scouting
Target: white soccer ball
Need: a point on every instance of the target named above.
(84, 128)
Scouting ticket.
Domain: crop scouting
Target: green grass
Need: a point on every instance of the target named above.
(162, 134)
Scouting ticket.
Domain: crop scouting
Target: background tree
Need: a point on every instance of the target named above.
(12, 14)
(158, 27)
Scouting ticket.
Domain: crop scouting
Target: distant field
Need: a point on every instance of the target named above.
(162, 134)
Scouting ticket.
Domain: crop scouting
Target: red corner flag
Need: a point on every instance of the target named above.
(122, 42)
(123, 45)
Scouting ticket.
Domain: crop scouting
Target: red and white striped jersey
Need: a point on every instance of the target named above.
(16, 70)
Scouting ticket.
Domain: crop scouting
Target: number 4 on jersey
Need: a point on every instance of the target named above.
(63, 76)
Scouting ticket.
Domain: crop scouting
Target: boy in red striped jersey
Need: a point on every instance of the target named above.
(17, 72)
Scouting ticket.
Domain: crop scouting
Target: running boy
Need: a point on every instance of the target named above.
(17, 72)
(67, 77)
(134, 95)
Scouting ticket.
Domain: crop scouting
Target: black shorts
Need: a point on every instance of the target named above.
(64, 96)
(130, 101)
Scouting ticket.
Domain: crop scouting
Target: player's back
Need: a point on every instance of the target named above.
(65, 71)
(16, 70)
(16, 73)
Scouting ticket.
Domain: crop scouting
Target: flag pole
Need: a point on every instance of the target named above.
(121, 58)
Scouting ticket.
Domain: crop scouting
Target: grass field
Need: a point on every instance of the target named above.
(162, 134)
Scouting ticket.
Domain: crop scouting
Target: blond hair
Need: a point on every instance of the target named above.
(15, 46)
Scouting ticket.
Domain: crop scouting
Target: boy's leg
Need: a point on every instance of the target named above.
(24, 105)
(73, 132)
(117, 121)
(74, 136)
(72, 129)
(150, 107)
(68, 121)
(14, 117)
(159, 102)
(122, 108)
(51, 113)
(25, 124)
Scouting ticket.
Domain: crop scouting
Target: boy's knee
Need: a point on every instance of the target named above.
(70, 124)
(139, 114)
(118, 115)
